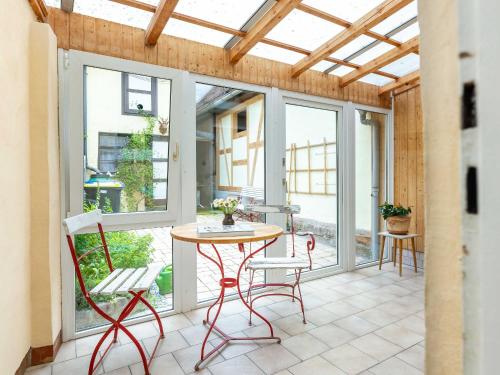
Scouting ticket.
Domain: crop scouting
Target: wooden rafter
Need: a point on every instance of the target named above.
(383, 60)
(270, 19)
(40, 9)
(404, 89)
(361, 26)
(228, 30)
(160, 18)
(406, 80)
(339, 21)
(67, 5)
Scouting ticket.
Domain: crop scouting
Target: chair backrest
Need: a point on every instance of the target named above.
(75, 223)
(250, 194)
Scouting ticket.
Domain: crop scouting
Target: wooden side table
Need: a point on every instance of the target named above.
(398, 239)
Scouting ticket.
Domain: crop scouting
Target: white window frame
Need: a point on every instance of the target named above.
(182, 206)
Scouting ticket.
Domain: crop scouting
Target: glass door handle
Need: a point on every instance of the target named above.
(175, 155)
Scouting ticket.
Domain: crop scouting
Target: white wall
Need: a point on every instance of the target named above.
(104, 108)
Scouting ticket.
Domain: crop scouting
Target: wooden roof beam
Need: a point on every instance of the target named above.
(40, 9)
(272, 17)
(228, 30)
(406, 80)
(160, 18)
(383, 60)
(361, 26)
(339, 21)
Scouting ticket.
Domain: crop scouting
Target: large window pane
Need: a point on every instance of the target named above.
(370, 189)
(229, 162)
(125, 153)
(311, 170)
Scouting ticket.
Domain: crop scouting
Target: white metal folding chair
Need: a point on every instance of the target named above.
(287, 263)
(133, 281)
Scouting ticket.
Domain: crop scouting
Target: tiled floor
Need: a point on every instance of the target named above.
(366, 322)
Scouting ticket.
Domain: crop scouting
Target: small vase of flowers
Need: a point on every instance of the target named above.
(227, 206)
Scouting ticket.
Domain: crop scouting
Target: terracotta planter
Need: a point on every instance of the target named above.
(398, 224)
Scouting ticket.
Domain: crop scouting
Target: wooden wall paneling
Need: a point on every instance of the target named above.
(103, 37)
(408, 158)
(163, 51)
(412, 159)
(127, 42)
(397, 150)
(420, 170)
(61, 24)
(89, 34)
(115, 39)
(75, 31)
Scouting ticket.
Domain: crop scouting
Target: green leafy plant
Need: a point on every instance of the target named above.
(389, 210)
(127, 250)
(135, 167)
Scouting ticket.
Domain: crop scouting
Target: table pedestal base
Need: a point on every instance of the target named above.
(229, 282)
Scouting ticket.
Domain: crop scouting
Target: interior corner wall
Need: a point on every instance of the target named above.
(45, 191)
(409, 159)
(16, 17)
(443, 258)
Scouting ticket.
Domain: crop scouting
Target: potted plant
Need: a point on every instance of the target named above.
(228, 206)
(397, 218)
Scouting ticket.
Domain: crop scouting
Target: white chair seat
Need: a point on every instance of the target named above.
(123, 280)
(277, 263)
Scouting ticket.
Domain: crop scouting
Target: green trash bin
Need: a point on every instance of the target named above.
(164, 280)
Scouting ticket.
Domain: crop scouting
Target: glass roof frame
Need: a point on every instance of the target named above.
(312, 9)
(376, 42)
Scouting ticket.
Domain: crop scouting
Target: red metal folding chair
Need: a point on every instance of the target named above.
(287, 263)
(133, 281)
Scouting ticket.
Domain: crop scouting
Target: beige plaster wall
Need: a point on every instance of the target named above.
(441, 112)
(15, 325)
(45, 193)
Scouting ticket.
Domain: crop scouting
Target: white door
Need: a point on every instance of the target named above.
(120, 137)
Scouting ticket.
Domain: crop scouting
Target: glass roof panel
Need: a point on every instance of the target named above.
(372, 53)
(352, 47)
(197, 33)
(376, 79)
(397, 19)
(342, 71)
(275, 53)
(404, 65)
(230, 13)
(304, 30)
(349, 10)
(322, 66)
(112, 11)
(408, 33)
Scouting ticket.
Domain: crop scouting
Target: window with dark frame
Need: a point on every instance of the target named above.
(139, 90)
(109, 153)
(241, 121)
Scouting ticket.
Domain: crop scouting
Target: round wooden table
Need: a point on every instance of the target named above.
(262, 232)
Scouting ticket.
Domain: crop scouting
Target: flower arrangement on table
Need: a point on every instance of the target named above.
(227, 206)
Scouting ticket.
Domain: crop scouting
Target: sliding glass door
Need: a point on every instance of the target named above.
(311, 177)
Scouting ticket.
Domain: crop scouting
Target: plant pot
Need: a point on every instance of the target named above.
(398, 224)
(164, 280)
(228, 219)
